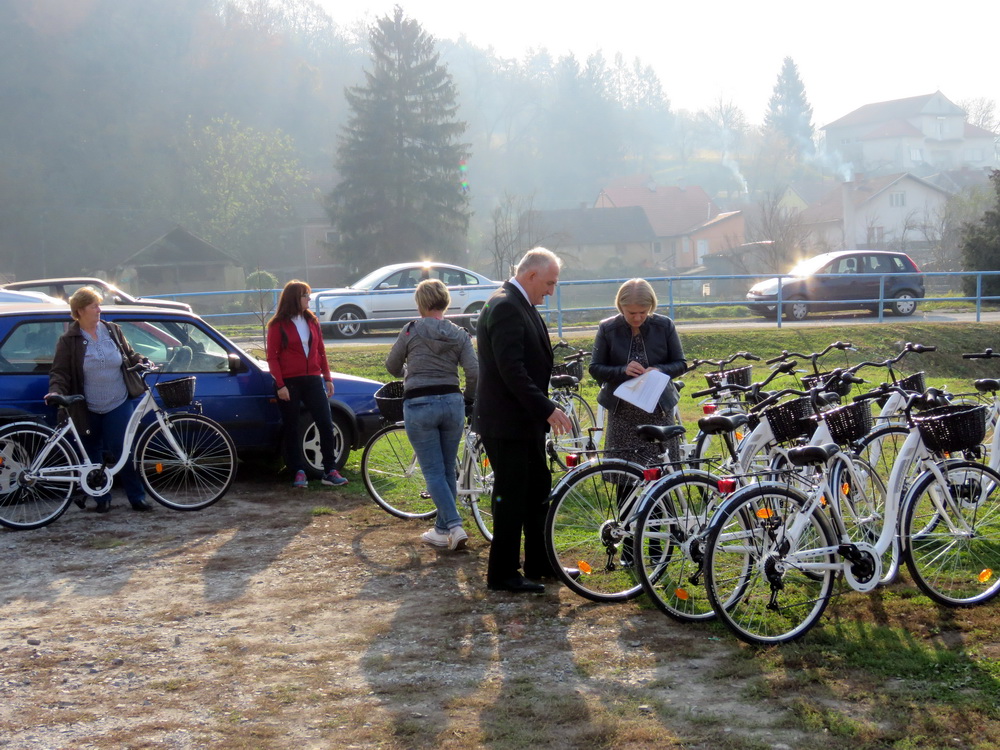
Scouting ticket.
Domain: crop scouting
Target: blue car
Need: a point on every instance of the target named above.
(233, 387)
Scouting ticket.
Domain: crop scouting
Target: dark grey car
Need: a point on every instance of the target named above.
(844, 280)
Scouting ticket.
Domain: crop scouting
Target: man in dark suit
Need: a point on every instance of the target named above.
(513, 414)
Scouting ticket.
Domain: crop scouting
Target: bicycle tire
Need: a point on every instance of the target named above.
(584, 529)
(579, 439)
(196, 481)
(31, 505)
(955, 560)
(392, 475)
(862, 497)
(753, 565)
(478, 502)
(669, 543)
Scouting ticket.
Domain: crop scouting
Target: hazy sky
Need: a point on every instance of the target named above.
(848, 53)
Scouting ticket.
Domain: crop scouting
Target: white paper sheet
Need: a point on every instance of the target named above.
(645, 390)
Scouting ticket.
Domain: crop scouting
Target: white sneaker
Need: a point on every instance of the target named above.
(457, 539)
(435, 538)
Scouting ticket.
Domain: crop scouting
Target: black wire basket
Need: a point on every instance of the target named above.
(176, 393)
(390, 401)
(569, 368)
(839, 387)
(914, 383)
(741, 376)
(848, 423)
(790, 419)
(954, 428)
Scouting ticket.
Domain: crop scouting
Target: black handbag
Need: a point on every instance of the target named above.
(133, 380)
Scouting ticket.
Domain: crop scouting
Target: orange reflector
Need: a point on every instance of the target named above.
(572, 460)
(652, 474)
(159, 468)
(681, 594)
(727, 485)
(765, 513)
(739, 436)
(584, 568)
(845, 489)
(708, 408)
(986, 575)
(822, 500)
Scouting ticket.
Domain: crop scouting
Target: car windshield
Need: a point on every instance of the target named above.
(368, 280)
(809, 265)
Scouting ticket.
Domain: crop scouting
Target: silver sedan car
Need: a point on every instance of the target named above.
(384, 298)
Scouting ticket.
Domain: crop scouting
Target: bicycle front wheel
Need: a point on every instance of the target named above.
(670, 544)
(951, 534)
(35, 485)
(392, 475)
(769, 569)
(580, 438)
(589, 527)
(193, 478)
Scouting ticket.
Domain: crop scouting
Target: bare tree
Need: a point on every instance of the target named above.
(504, 246)
(775, 235)
(981, 112)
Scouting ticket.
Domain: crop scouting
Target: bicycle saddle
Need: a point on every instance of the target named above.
(812, 454)
(987, 384)
(720, 423)
(654, 433)
(562, 381)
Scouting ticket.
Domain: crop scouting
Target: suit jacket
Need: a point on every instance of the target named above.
(515, 364)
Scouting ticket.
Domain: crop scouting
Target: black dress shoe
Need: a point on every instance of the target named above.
(103, 504)
(517, 584)
(142, 505)
(80, 500)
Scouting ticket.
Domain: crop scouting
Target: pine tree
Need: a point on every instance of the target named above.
(981, 246)
(788, 112)
(402, 195)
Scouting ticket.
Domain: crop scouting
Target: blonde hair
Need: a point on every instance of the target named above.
(83, 297)
(431, 295)
(635, 292)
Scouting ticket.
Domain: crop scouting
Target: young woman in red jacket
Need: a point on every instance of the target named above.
(297, 358)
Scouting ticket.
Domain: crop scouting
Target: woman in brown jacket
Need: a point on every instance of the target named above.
(89, 360)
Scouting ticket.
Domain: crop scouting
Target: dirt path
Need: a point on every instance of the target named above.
(267, 622)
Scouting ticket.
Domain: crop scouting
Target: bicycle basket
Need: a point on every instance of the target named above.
(390, 401)
(948, 429)
(574, 369)
(840, 387)
(737, 376)
(176, 393)
(915, 383)
(849, 423)
(790, 419)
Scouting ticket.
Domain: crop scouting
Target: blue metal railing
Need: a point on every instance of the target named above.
(577, 298)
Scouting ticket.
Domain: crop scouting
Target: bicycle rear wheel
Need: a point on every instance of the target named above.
(589, 527)
(670, 544)
(477, 498)
(769, 572)
(392, 475)
(200, 476)
(580, 439)
(951, 534)
(30, 496)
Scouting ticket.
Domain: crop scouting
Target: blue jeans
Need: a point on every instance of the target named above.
(434, 425)
(308, 391)
(105, 441)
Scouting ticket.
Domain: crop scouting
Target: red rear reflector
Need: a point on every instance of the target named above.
(652, 474)
(572, 460)
(727, 485)
(708, 408)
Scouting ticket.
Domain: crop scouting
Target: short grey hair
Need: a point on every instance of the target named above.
(537, 258)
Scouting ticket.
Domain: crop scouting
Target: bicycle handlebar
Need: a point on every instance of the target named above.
(843, 346)
(985, 354)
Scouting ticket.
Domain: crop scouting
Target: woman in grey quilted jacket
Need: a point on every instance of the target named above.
(427, 355)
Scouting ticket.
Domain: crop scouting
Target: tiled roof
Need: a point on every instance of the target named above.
(892, 129)
(831, 206)
(590, 226)
(672, 211)
(898, 109)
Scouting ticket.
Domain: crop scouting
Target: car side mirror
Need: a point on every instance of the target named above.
(236, 364)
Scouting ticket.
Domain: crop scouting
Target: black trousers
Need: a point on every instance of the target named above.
(521, 485)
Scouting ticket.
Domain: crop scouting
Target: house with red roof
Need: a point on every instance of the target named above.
(685, 221)
(919, 134)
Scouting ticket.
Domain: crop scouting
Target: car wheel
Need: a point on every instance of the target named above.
(796, 309)
(351, 316)
(905, 303)
(311, 456)
(472, 322)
